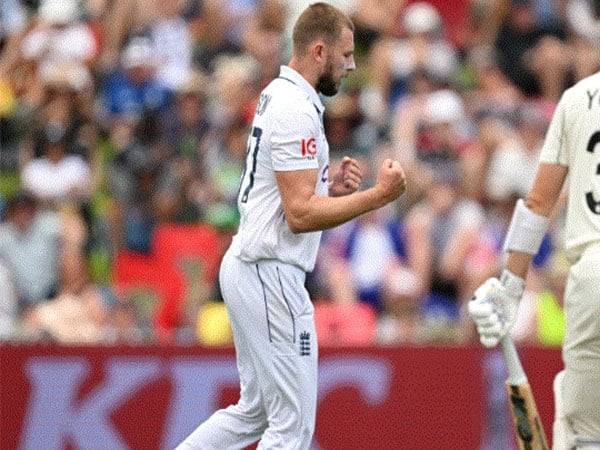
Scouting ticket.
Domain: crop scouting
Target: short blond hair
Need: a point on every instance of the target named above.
(319, 20)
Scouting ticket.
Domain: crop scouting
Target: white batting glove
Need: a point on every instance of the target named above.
(494, 306)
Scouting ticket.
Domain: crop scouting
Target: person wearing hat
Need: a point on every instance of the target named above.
(132, 89)
(61, 45)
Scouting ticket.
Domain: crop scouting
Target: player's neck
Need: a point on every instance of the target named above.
(306, 69)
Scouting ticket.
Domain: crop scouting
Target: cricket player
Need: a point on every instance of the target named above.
(571, 147)
(286, 198)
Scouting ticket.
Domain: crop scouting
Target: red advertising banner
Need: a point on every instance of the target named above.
(56, 398)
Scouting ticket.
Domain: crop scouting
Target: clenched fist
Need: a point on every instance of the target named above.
(391, 180)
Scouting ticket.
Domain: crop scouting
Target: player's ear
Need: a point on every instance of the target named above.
(318, 50)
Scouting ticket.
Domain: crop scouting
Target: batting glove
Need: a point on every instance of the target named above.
(494, 306)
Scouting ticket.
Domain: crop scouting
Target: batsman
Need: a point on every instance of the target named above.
(571, 147)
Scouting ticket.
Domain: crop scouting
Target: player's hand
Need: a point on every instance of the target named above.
(391, 180)
(494, 307)
(347, 179)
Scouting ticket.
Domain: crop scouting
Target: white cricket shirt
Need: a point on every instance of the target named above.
(573, 140)
(287, 134)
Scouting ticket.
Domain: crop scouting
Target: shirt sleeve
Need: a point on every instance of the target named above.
(294, 140)
(555, 149)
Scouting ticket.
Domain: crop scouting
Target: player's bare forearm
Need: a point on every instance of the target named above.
(320, 213)
(541, 200)
(307, 212)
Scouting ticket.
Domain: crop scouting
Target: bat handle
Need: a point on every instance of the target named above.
(516, 374)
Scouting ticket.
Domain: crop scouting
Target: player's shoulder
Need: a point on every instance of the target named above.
(287, 98)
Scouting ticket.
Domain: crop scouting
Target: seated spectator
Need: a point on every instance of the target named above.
(263, 38)
(393, 61)
(532, 56)
(132, 180)
(77, 315)
(30, 245)
(132, 89)
(401, 321)
(172, 45)
(443, 231)
(514, 161)
(358, 258)
(187, 124)
(61, 46)
(583, 17)
(13, 20)
(215, 35)
(235, 82)
(57, 176)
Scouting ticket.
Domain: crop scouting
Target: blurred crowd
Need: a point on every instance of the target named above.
(118, 117)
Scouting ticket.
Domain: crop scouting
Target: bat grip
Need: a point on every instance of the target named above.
(516, 374)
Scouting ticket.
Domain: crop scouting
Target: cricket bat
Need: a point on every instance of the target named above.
(528, 426)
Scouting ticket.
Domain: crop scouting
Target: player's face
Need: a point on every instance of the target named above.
(339, 63)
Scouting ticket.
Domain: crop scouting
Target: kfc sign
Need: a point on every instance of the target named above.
(57, 398)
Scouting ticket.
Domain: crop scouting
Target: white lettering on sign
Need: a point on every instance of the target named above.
(53, 415)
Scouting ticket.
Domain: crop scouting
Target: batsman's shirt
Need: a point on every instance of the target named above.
(573, 140)
(287, 134)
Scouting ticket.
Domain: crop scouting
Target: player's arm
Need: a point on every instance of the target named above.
(539, 205)
(495, 303)
(305, 211)
(531, 218)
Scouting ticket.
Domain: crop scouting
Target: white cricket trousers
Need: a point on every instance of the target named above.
(272, 320)
(579, 389)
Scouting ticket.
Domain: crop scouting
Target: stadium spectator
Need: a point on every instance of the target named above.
(13, 21)
(61, 44)
(531, 53)
(30, 247)
(401, 321)
(371, 247)
(133, 89)
(56, 176)
(135, 113)
(263, 37)
(393, 61)
(442, 235)
(77, 314)
(171, 45)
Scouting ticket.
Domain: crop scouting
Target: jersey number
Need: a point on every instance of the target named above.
(256, 133)
(589, 196)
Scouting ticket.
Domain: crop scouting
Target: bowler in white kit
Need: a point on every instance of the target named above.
(572, 147)
(286, 198)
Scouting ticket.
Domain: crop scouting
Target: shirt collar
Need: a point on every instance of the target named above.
(293, 76)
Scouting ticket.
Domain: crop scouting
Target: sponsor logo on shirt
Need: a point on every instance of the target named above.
(309, 148)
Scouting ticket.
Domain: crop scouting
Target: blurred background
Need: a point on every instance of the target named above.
(123, 129)
(123, 133)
